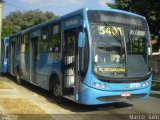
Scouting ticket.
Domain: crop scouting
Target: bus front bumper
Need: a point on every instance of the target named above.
(92, 96)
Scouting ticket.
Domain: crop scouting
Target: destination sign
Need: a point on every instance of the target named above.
(109, 30)
(111, 70)
(71, 22)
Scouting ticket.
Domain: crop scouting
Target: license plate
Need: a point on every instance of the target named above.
(125, 94)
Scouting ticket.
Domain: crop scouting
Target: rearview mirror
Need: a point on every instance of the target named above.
(81, 39)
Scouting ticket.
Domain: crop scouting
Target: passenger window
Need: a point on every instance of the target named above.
(54, 44)
(18, 44)
(26, 40)
(44, 39)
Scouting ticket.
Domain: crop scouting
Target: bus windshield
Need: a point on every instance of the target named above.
(119, 50)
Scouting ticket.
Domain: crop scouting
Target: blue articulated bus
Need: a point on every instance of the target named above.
(90, 56)
(5, 42)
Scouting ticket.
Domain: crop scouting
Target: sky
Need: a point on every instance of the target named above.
(58, 7)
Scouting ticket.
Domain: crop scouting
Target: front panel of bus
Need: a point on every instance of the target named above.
(119, 58)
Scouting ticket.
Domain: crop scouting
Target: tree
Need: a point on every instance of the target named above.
(17, 21)
(148, 8)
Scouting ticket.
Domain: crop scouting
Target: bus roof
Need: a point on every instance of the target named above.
(116, 10)
(80, 11)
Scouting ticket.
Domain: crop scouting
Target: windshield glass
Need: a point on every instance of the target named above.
(119, 51)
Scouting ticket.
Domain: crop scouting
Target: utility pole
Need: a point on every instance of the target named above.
(1, 9)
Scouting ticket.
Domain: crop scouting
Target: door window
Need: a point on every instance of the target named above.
(54, 45)
(44, 39)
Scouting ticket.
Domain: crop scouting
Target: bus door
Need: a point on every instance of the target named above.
(33, 59)
(69, 61)
(12, 58)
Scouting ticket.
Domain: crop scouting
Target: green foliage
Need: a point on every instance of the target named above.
(18, 20)
(148, 8)
(6, 31)
(154, 84)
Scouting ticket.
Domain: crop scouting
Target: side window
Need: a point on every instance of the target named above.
(7, 48)
(26, 41)
(3, 45)
(18, 44)
(22, 45)
(55, 43)
(44, 39)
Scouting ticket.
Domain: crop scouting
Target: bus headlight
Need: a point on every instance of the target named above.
(145, 84)
(99, 85)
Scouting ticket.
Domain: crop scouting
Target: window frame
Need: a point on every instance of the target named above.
(44, 31)
(55, 36)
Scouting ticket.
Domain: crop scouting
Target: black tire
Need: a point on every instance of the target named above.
(18, 80)
(56, 92)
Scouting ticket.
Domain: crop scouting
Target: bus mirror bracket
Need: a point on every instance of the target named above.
(84, 24)
(81, 39)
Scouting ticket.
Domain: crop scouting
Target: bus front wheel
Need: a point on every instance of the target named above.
(57, 93)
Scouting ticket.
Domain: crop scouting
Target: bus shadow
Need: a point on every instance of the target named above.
(70, 105)
(31, 87)
(75, 107)
(156, 95)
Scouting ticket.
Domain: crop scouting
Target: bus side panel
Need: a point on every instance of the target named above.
(17, 63)
(3, 57)
(9, 57)
(25, 66)
(13, 59)
(42, 71)
(47, 64)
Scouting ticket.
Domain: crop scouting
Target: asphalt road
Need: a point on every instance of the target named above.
(30, 102)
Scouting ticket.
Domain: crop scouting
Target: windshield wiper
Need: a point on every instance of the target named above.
(130, 36)
(134, 32)
(116, 34)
